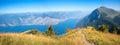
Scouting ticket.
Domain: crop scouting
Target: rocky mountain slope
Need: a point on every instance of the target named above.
(101, 16)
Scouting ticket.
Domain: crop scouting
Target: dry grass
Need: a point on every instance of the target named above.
(71, 38)
(25, 39)
(100, 38)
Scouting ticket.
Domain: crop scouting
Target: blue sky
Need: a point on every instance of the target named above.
(18, 6)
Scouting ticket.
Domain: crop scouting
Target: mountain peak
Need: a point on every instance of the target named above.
(107, 11)
(102, 7)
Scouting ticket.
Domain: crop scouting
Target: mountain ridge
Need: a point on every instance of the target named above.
(101, 16)
(45, 18)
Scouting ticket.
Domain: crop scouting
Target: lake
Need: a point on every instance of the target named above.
(58, 28)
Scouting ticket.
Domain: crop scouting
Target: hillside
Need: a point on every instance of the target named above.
(27, 39)
(100, 38)
(102, 15)
(79, 36)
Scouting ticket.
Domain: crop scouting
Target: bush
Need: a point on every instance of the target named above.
(33, 31)
(114, 31)
(103, 28)
(68, 30)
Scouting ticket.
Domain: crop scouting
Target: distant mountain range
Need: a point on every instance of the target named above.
(44, 18)
(19, 22)
(100, 16)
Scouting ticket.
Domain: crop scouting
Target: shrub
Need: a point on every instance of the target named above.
(114, 31)
(33, 31)
(103, 28)
(68, 30)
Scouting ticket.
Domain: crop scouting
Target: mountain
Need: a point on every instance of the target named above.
(100, 16)
(43, 18)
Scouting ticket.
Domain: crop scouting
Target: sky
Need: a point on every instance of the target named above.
(19, 6)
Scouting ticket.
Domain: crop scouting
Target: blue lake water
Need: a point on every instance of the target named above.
(59, 28)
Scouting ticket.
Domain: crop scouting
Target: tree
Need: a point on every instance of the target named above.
(50, 32)
(103, 28)
(114, 31)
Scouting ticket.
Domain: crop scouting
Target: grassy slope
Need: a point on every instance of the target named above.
(25, 39)
(71, 38)
(99, 38)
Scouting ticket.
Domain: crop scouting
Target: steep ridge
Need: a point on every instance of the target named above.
(101, 16)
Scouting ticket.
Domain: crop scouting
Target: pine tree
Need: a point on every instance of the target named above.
(50, 32)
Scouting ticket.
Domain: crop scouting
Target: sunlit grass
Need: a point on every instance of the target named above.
(71, 38)
(24, 39)
(100, 38)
